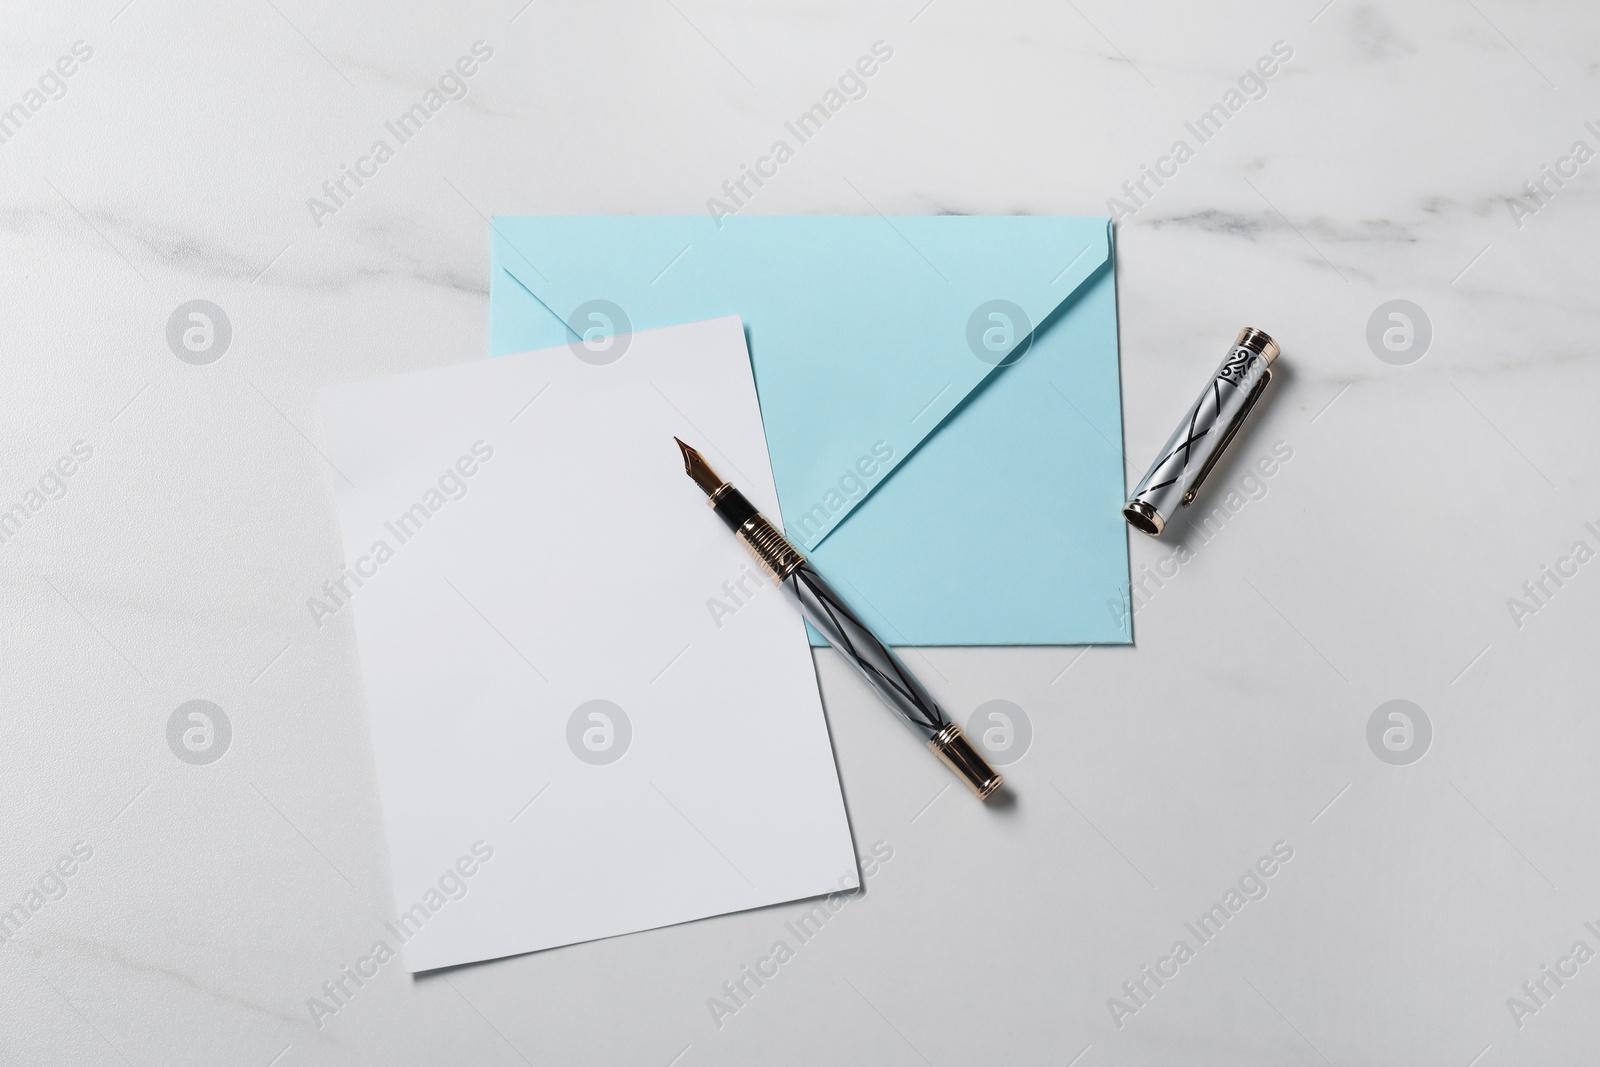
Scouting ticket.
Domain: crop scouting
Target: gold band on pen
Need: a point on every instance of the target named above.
(957, 753)
(770, 548)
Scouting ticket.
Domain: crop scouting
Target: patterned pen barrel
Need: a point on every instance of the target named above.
(833, 617)
(1200, 439)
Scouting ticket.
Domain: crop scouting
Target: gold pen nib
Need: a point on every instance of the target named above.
(695, 465)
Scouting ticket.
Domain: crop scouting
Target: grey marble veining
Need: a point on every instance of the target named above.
(1404, 549)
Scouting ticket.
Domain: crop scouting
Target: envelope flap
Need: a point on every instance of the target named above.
(865, 331)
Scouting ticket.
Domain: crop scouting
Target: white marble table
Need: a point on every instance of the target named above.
(1421, 498)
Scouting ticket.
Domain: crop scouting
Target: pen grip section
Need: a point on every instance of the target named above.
(825, 609)
(732, 507)
(770, 548)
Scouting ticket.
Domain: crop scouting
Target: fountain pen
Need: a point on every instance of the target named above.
(833, 618)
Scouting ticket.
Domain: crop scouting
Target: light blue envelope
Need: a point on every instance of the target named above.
(941, 395)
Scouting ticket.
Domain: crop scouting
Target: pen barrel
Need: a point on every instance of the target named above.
(1194, 448)
(822, 606)
(875, 661)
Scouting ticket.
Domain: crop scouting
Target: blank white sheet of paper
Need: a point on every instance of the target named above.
(581, 689)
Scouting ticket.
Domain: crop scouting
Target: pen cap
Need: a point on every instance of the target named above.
(1194, 448)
